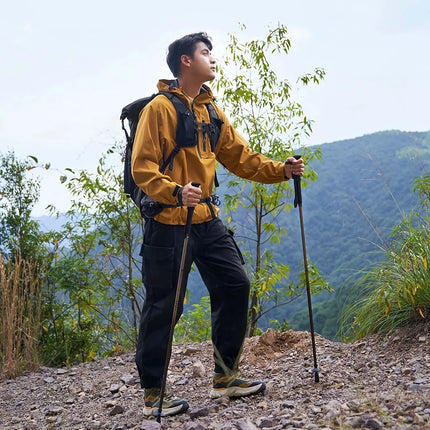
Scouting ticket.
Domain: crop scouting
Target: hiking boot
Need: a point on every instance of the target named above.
(171, 405)
(232, 386)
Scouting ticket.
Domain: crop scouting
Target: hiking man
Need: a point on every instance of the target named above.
(211, 247)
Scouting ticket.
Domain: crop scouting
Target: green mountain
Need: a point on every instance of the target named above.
(364, 188)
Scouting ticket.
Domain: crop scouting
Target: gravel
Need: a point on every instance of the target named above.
(378, 382)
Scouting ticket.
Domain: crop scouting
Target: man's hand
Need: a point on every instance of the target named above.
(191, 195)
(294, 167)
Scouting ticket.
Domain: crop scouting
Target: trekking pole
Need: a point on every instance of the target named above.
(298, 202)
(176, 304)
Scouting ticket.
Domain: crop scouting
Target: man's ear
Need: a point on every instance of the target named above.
(186, 60)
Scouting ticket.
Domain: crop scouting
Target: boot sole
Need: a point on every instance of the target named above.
(167, 411)
(236, 391)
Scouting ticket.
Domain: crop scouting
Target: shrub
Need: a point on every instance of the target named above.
(396, 292)
(195, 325)
(20, 310)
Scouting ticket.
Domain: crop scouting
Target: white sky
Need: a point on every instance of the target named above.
(67, 68)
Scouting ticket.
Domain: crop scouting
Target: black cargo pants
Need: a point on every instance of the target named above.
(219, 262)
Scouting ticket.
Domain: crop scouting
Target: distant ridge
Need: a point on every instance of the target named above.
(364, 188)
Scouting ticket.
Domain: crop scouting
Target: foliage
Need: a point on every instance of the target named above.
(349, 213)
(397, 292)
(423, 189)
(93, 300)
(281, 326)
(18, 195)
(261, 106)
(195, 325)
(342, 240)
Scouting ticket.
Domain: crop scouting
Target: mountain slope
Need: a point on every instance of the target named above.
(364, 188)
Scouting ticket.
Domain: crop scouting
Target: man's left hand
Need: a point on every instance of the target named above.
(294, 167)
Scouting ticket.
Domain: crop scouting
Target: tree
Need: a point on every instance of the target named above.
(18, 195)
(261, 107)
(96, 269)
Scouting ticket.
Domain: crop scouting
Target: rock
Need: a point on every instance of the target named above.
(88, 386)
(53, 411)
(75, 389)
(226, 427)
(200, 412)
(123, 388)
(333, 409)
(190, 350)
(288, 405)
(245, 424)
(373, 423)
(198, 369)
(355, 422)
(114, 388)
(128, 379)
(194, 426)
(116, 410)
(353, 405)
(418, 387)
(267, 422)
(150, 425)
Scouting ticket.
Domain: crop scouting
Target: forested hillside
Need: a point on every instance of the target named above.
(364, 188)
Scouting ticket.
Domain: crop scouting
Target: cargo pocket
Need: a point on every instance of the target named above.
(157, 266)
(237, 246)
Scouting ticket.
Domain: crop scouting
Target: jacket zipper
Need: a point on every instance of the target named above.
(196, 132)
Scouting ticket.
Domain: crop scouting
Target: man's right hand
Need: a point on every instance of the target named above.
(191, 195)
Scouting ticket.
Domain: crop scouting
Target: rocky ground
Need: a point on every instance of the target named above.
(378, 382)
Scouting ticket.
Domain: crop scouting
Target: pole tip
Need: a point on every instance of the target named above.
(316, 372)
(158, 415)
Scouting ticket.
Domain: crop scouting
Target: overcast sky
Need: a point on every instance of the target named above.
(67, 68)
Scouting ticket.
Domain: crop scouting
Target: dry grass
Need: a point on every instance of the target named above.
(20, 305)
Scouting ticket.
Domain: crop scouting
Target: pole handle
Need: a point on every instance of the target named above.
(190, 213)
(297, 185)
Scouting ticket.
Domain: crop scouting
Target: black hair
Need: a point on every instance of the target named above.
(185, 46)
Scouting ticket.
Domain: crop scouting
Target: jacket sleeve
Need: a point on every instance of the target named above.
(156, 123)
(234, 153)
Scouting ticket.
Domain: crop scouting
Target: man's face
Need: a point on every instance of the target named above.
(202, 63)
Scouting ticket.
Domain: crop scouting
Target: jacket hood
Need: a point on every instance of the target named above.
(172, 85)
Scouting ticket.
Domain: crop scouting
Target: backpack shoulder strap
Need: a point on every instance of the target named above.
(215, 131)
(184, 129)
(216, 125)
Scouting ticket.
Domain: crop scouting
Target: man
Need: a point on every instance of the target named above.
(211, 247)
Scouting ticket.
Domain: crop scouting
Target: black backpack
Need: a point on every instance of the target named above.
(186, 135)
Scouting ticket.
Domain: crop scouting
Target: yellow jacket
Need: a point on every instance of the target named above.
(155, 140)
